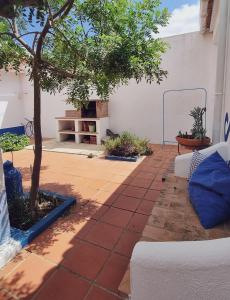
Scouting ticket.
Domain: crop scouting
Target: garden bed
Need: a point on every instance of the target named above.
(24, 237)
(127, 147)
(122, 158)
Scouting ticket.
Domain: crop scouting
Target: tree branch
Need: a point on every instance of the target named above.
(28, 33)
(24, 44)
(13, 35)
(57, 69)
(15, 27)
(63, 11)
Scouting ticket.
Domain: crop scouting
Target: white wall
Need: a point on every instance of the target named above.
(190, 62)
(226, 94)
(52, 106)
(11, 103)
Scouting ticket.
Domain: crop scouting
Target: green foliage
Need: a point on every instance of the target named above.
(13, 142)
(96, 45)
(128, 144)
(198, 131)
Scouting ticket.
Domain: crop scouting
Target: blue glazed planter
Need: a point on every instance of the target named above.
(25, 237)
(122, 158)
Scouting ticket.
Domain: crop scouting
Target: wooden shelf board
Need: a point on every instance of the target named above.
(67, 131)
(77, 132)
(87, 133)
(78, 119)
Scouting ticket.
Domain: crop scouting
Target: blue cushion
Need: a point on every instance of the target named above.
(209, 191)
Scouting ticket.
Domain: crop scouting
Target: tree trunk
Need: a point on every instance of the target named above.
(37, 137)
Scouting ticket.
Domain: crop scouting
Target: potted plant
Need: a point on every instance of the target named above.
(198, 137)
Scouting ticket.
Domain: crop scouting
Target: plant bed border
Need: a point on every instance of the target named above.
(24, 237)
(122, 158)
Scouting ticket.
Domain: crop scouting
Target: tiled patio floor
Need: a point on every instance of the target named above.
(85, 254)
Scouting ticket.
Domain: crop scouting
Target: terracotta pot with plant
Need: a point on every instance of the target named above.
(198, 137)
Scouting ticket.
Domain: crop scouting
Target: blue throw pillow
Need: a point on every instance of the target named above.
(209, 191)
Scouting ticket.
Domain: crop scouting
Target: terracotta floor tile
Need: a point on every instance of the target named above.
(152, 195)
(141, 182)
(145, 175)
(134, 192)
(114, 187)
(19, 258)
(86, 259)
(145, 207)
(29, 276)
(89, 210)
(104, 235)
(137, 222)
(117, 217)
(105, 197)
(121, 188)
(108, 192)
(99, 294)
(127, 242)
(125, 285)
(100, 211)
(113, 272)
(157, 185)
(163, 235)
(119, 178)
(97, 183)
(64, 285)
(4, 295)
(85, 229)
(126, 202)
(54, 242)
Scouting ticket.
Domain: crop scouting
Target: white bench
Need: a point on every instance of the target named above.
(192, 270)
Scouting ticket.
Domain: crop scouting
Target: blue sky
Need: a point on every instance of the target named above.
(184, 17)
(172, 4)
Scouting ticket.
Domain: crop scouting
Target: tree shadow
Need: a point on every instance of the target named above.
(75, 224)
(27, 172)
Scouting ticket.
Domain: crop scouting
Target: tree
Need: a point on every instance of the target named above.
(81, 46)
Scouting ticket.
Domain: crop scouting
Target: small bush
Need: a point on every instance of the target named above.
(13, 142)
(128, 145)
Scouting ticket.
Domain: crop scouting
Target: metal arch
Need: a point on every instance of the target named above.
(181, 90)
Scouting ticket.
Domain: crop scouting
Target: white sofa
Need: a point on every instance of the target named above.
(182, 162)
(196, 270)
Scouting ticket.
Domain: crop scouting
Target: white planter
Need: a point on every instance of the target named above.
(4, 217)
(92, 128)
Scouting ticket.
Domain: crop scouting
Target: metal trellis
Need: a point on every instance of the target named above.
(178, 91)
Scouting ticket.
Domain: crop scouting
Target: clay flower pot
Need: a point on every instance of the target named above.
(191, 142)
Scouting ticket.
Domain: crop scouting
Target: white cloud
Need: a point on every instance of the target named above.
(183, 19)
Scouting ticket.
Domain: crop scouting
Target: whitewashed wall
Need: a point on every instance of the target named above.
(225, 132)
(190, 62)
(11, 103)
(52, 106)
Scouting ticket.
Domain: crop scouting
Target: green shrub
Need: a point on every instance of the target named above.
(128, 144)
(13, 142)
